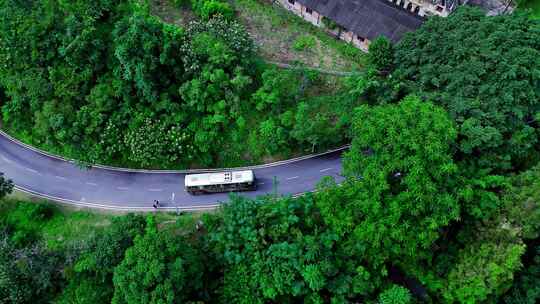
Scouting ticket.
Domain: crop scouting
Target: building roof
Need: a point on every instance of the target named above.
(368, 18)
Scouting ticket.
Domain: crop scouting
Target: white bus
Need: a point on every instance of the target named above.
(220, 182)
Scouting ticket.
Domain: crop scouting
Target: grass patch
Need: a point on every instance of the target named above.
(304, 42)
(55, 226)
(58, 226)
(281, 36)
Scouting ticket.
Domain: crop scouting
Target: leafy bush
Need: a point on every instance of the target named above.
(492, 101)
(6, 186)
(484, 270)
(27, 221)
(158, 266)
(395, 295)
(526, 286)
(28, 274)
(206, 9)
(329, 23)
(304, 42)
(381, 54)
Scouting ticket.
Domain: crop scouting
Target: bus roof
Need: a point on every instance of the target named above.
(218, 178)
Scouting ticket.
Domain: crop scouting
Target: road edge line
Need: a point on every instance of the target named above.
(111, 207)
(119, 169)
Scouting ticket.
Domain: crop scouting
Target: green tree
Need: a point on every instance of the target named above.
(395, 295)
(381, 54)
(6, 186)
(400, 191)
(28, 274)
(278, 251)
(315, 127)
(271, 136)
(489, 87)
(159, 268)
(279, 89)
(207, 9)
(92, 277)
(476, 261)
(139, 48)
(521, 206)
(484, 271)
(526, 286)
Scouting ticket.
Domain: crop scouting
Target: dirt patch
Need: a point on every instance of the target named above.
(275, 32)
(169, 13)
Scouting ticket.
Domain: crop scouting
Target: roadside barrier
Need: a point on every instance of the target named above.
(189, 171)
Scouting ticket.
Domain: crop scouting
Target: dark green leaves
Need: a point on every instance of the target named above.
(485, 72)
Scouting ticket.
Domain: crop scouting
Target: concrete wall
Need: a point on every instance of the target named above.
(313, 17)
(316, 19)
(295, 8)
(426, 7)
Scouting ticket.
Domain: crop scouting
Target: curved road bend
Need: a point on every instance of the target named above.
(109, 189)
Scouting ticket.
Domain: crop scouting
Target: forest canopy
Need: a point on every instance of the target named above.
(107, 82)
(441, 197)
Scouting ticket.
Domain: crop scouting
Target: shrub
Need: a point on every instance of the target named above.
(329, 23)
(206, 9)
(395, 295)
(6, 186)
(304, 42)
(381, 54)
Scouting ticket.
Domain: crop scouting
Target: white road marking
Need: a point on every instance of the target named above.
(155, 190)
(111, 206)
(91, 184)
(122, 188)
(60, 177)
(294, 177)
(31, 170)
(324, 170)
(6, 160)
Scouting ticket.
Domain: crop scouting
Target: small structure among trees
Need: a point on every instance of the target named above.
(360, 22)
(357, 22)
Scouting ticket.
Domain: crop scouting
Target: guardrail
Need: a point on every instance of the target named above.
(116, 207)
(105, 206)
(188, 171)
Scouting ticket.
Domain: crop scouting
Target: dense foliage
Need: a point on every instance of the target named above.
(207, 9)
(441, 197)
(28, 274)
(401, 155)
(158, 268)
(381, 54)
(92, 278)
(486, 73)
(282, 250)
(106, 82)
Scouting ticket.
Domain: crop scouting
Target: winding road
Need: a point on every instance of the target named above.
(53, 178)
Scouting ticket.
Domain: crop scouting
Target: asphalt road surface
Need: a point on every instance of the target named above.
(63, 181)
